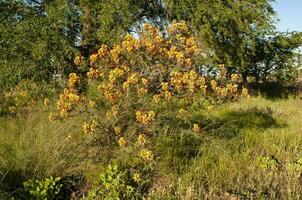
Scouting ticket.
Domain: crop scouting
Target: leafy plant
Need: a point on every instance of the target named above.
(117, 184)
(45, 189)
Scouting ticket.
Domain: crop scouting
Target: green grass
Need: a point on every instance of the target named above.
(251, 149)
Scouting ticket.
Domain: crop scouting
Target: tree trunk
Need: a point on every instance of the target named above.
(244, 78)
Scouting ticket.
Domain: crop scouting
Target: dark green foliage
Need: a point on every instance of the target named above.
(36, 40)
(225, 27)
(273, 56)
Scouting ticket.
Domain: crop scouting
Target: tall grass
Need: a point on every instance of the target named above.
(250, 149)
(31, 146)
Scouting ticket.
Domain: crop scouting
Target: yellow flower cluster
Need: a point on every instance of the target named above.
(234, 77)
(146, 154)
(130, 43)
(145, 117)
(122, 142)
(70, 98)
(103, 51)
(67, 101)
(93, 58)
(136, 177)
(94, 73)
(117, 130)
(73, 80)
(78, 60)
(182, 112)
(89, 127)
(141, 139)
(113, 112)
(178, 27)
(187, 81)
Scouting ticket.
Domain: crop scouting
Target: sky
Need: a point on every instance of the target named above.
(289, 13)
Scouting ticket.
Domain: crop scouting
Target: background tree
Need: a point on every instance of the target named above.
(225, 27)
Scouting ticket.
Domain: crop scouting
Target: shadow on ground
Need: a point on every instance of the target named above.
(231, 123)
(274, 90)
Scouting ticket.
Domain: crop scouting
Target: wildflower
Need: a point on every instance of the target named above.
(46, 102)
(168, 95)
(196, 128)
(164, 86)
(141, 139)
(203, 88)
(117, 130)
(78, 60)
(142, 91)
(136, 177)
(73, 80)
(213, 84)
(122, 142)
(12, 109)
(51, 117)
(89, 127)
(145, 118)
(144, 81)
(182, 112)
(156, 98)
(91, 104)
(245, 92)
(69, 136)
(234, 77)
(93, 58)
(103, 50)
(126, 86)
(86, 127)
(146, 154)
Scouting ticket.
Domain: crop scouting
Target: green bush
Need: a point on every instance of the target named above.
(46, 189)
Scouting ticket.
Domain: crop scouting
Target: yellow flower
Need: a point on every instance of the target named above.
(117, 130)
(146, 154)
(245, 92)
(213, 84)
(164, 86)
(142, 91)
(51, 117)
(196, 128)
(126, 86)
(78, 60)
(142, 139)
(46, 102)
(168, 95)
(102, 51)
(234, 77)
(144, 118)
(73, 80)
(203, 88)
(12, 109)
(136, 177)
(122, 142)
(69, 136)
(86, 127)
(156, 98)
(93, 58)
(144, 81)
(91, 104)
(182, 112)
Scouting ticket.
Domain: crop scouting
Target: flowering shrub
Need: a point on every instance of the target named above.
(137, 80)
(21, 98)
